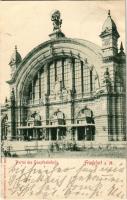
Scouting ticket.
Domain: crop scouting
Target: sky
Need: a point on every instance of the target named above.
(28, 24)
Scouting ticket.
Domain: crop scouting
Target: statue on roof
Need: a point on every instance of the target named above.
(55, 17)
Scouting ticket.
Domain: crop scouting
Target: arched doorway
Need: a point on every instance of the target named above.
(58, 130)
(85, 125)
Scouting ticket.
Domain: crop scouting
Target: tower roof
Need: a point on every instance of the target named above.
(109, 26)
(15, 58)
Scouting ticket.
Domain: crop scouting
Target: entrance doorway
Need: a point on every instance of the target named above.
(81, 133)
(53, 133)
(58, 133)
(86, 133)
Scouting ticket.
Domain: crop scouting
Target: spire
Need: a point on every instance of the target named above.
(121, 52)
(15, 58)
(121, 47)
(57, 22)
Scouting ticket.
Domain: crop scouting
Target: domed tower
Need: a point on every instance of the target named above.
(109, 37)
(15, 60)
(14, 64)
(113, 81)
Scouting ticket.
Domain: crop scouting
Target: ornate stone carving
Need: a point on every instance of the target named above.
(55, 17)
(34, 119)
(52, 50)
(107, 80)
(41, 101)
(12, 98)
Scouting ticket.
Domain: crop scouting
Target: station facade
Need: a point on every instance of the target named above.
(68, 88)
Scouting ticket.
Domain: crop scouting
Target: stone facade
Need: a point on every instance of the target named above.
(68, 89)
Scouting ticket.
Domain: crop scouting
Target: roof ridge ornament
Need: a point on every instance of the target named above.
(109, 13)
(56, 18)
(57, 22)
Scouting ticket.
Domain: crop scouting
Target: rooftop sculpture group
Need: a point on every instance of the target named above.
(55, 17)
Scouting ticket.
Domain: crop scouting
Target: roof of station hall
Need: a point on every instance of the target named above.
(81, 42)
(92, 46)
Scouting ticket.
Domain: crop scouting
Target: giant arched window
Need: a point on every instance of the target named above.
(64, 73)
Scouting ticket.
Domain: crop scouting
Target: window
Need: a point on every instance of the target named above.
(36, 88)
(42, 82)
(94, 80)
(86, 79)
(52, 78)
(60, 72)
(67, 74)
(78, 78)
(30, 92)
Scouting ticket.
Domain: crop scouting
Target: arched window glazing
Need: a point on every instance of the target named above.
(64, 73)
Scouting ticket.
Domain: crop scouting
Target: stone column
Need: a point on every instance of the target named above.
(47, 71)
(91, 81)
(55, 68)
(72, 133)
(82, 82)
(20, 134)
(111, 117)
(76, 133)
(36, 130)
(27, 132)
(73, 74)
(62, 72)
(73, 91)
(57, 136)
(33, 91)
(48, 79)
(39, 78)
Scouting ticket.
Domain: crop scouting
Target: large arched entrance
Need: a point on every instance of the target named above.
(57, 130)
(85, 125)
(32, 130)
